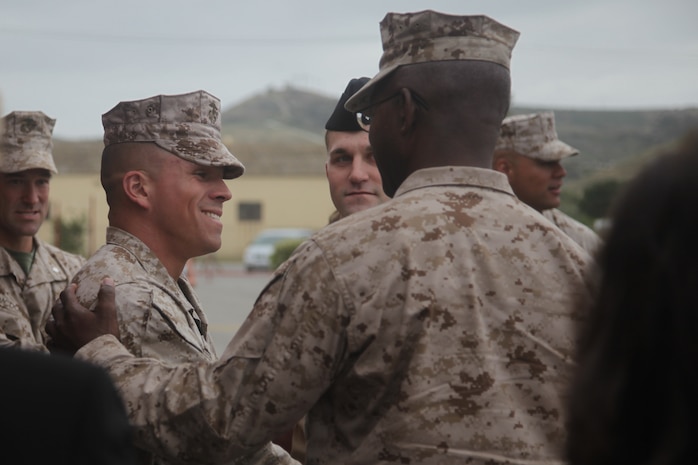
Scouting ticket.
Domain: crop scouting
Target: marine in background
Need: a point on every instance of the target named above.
(529, 152)
(353, 177)
(32, 272)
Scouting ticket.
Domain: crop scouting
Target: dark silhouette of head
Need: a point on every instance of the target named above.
(633, 399)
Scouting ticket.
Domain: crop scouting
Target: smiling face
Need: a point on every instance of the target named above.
(23, 207)
(187, 204)
(352, 174)
(537, 183)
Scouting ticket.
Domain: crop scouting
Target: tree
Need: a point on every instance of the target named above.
(70, 234)
(283, 250)
(598, 197)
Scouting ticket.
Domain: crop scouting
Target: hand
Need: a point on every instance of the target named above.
(73, 325)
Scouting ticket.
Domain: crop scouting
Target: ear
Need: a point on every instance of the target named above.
(408, 112)
(326, 172)
(501, 163)
(136, 185)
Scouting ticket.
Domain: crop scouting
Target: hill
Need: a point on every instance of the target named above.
(608, 138)
(281, 132)
(302, 112)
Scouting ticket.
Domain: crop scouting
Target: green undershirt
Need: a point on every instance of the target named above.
(25, 259)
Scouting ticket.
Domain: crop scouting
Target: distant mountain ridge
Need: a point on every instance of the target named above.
(281, 132)
(291, 107)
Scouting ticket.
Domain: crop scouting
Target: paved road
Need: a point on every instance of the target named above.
(227, 293)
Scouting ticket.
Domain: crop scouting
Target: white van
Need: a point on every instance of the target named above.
(257, 255)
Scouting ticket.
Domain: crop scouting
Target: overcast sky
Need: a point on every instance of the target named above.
(75, 59)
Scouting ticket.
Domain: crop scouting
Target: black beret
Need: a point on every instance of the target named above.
(341, 119)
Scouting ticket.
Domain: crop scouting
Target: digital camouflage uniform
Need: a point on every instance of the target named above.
(435, 328)
(26, 301)
(579, 232)
(160, 317)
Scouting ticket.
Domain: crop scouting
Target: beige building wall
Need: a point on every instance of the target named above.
(289, 201)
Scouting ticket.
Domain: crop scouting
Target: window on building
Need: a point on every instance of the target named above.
(249, 211)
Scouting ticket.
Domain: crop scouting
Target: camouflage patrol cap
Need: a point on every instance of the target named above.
(533, 136)
(26, 142)
(341, 119)
(427, 36)
(186, 125)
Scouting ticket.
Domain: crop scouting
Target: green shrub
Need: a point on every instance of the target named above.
(70, 234)
(282, 250)
(598, 197)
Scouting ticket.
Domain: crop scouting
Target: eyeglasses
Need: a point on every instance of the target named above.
(363, 117)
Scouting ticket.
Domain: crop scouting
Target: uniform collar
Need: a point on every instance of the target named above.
(455, 176)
